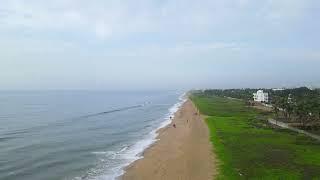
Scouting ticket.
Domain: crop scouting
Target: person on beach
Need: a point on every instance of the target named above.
(174, 125)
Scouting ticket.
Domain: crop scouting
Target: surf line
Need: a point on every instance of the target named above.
(112, 111)
(67, 121)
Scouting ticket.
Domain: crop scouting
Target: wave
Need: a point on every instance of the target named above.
(129, 154)
(112, 111)
(65, 122)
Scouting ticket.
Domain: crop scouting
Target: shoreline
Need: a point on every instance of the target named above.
(148, 141)
(184, 152)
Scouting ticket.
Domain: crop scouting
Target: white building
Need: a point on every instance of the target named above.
(278, 89)
(260, 96)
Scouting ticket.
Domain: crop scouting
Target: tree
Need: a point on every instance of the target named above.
(289, 110)
(275, 106)
(301, 112)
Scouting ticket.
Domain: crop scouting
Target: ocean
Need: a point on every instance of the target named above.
(71, 135)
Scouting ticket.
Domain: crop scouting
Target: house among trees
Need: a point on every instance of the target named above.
(260, 96)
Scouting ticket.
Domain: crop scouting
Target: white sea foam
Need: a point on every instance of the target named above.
(128, 155)
(102, 152)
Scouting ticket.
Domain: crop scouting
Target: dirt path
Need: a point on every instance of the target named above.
(287, 126)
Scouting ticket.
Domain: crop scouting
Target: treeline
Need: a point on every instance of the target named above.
(297, 105)
(245, 94)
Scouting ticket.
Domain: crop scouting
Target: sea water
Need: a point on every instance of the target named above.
(78, 134)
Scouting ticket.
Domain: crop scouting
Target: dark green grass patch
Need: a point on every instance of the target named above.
(248, 148)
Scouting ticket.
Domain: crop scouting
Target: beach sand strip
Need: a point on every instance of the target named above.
(182, 153)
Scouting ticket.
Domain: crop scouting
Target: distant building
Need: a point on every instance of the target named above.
(278, 89)
(290, 99)
(310, 88)
(260, 96)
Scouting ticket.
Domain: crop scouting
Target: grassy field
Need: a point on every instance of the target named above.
(248, 148)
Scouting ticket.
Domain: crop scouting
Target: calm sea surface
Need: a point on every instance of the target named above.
(78, 134)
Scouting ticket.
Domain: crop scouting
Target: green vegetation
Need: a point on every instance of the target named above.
(248, 148)
(245, 94)
(298, 106)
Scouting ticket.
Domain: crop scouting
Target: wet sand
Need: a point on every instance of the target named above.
(182, 153)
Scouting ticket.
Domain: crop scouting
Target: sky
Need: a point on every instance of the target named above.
(158, 44)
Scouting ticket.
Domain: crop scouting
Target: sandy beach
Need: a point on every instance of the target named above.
(182, 153)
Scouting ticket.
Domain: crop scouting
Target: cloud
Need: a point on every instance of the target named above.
(285, 11)
(103, 18)
(107, 19)
(190, 47)
(212, 35)
(102, 30)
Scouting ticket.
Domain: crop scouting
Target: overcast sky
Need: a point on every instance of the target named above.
(158, 44)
